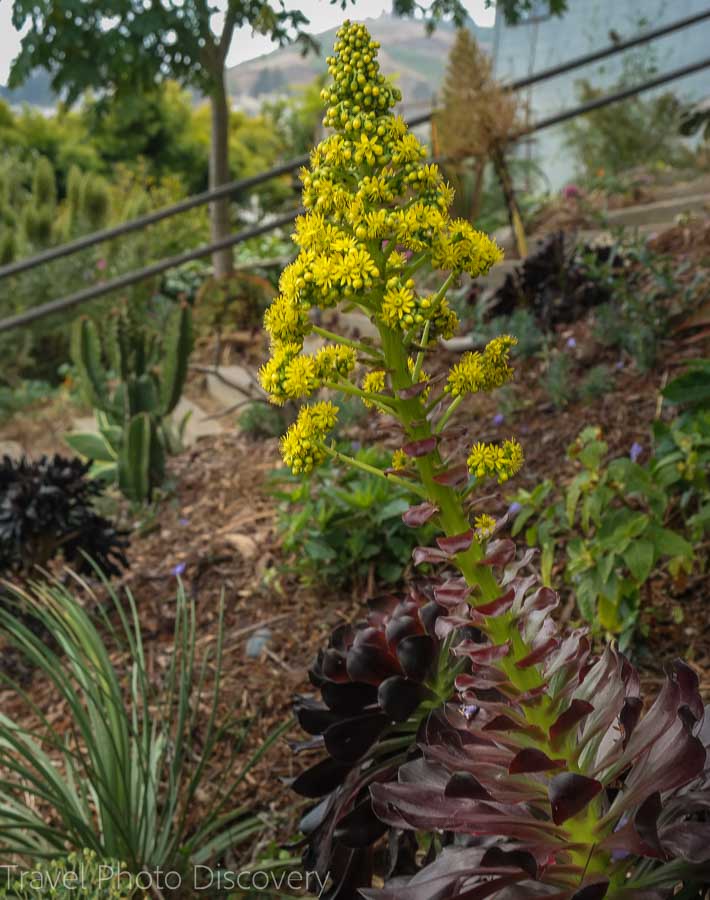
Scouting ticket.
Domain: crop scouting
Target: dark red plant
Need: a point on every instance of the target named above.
(378, 681)
(587, 797)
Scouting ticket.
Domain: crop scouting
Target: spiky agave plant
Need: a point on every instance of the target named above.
(565, 797)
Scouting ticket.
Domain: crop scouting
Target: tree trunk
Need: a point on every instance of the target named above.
(219, 174)
(480, 165)
(514, 217)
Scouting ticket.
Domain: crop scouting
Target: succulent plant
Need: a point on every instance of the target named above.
(46, 508)
(504, 761)
(378, 679)
(135, 434)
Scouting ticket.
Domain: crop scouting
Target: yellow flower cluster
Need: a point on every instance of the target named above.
(500, 461)
(482, 371)
(334, 361)
(400, 460)
(300, 446)
(290, 375)
(373, 383)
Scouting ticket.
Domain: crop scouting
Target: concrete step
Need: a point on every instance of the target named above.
(661, 212)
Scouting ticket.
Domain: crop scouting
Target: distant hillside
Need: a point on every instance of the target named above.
(415, 59)
(36, 91)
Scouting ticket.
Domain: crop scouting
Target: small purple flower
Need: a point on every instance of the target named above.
(571, 343)
(619, 365)
(101, 264)
(571, 192)
(635, 451)
(183, 521)
(179, 569)
(498, 419)
(514, 508)
(470, 710)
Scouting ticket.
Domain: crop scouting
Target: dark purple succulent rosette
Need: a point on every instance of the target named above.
(585, 796)
(378, 680)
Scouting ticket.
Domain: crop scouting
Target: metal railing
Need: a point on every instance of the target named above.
(285, 168)
(122, 281)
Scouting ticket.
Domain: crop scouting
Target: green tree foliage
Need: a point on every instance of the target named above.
(516, 11)
(639, 130)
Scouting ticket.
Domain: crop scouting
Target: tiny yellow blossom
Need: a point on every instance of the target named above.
(484, 525)
(398, 307)
(400, 460)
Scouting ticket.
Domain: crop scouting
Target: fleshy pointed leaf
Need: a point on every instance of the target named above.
(566, 721)
(466, 786)
(529, 759)
(419, 515)
(399, 697)
(569, 794)
(422, 447)
(457, 543)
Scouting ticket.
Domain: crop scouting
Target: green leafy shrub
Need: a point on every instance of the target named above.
(620, 137)
(611, 518)
(344, 524)
(647, 292)
(79, 875)
(135, 432)
(596, 383)
(263, 420)
(141, 753)
(557, 380)
(682, 447)
(23, 394)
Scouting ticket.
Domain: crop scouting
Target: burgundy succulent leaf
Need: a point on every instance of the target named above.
(419, 515)
(422, 447)
(373, 684)
(454, 476)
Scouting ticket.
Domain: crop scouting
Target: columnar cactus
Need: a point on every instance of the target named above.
(151, 375)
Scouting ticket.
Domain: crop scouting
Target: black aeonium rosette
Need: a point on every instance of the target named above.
(46, 508)
(378, 680)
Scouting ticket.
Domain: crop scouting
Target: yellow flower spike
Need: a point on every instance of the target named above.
(371, 201)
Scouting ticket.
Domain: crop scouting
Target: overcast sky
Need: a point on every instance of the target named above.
(322, 15)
